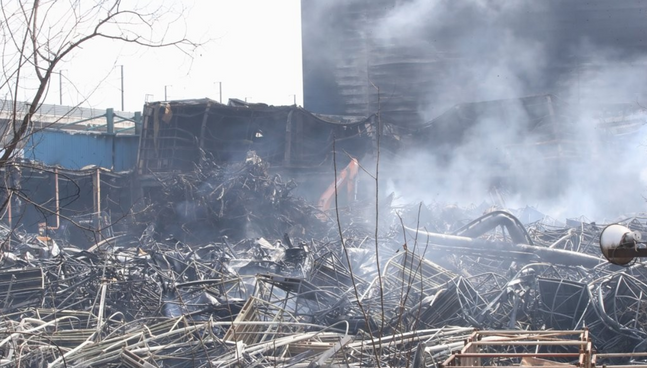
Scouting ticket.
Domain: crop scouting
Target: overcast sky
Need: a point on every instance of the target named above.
(252, 46)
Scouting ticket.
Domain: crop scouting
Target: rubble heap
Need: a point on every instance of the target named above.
(251, 278)
(239, 200)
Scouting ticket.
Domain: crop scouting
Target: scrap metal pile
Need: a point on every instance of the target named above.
(266, 283)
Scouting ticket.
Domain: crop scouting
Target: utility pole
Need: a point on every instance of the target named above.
(294, 99)
(122, 87)
(165, 95)
(60, 87)
(219, 90)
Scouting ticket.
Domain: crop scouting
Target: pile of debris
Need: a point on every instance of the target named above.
(239, 200)
(231, 270)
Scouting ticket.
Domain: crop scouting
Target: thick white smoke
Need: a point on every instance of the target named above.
(504, 50)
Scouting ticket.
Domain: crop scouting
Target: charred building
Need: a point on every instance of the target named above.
(413, 59)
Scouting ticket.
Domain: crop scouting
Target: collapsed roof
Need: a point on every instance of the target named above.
(177, 134)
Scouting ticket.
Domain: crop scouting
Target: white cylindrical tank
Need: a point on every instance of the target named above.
(614, 237)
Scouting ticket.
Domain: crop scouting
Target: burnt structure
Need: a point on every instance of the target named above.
(177, 139)
(73, 204)
(412, 59)
(176, 135)
(180, 136)
(470, 298)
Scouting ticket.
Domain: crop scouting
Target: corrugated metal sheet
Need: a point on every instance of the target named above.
(77, 150)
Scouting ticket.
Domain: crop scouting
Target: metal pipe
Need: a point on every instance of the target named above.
(528, 342)
(102, 303)
(493, 219)
(453, 243)
(570, 233)
(97, 192)
(620, 355)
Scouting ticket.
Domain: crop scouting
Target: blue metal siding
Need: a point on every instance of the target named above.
(76, 150)
(126, 148)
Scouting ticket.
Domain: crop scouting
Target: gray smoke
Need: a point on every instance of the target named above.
(506, 50)
(432, 55)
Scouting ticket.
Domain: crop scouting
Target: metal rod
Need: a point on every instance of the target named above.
(543, 366)
(97, 192)
(452, 243)
(10, 209)
(620, 355)
(102, 303)
(56, 202)
(516, 355)
(528, 342)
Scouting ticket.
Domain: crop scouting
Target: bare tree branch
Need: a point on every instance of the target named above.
(39, 35)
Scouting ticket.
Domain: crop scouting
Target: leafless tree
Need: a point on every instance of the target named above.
(39, 35)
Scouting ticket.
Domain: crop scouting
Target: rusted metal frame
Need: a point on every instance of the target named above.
(530, 334)
(460, 356)
(470, 348)
(528, 342)
(442, 365)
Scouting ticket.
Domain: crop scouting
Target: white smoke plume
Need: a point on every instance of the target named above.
(507, 50)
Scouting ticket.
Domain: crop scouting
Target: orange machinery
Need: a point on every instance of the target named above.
(345, 179)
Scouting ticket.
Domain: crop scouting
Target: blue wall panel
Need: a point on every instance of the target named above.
(126, 148)
(76, 150)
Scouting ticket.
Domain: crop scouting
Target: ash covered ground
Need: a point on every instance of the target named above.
(225, 266)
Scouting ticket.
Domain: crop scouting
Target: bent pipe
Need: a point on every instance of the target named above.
(472, 246)
(493, 219)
